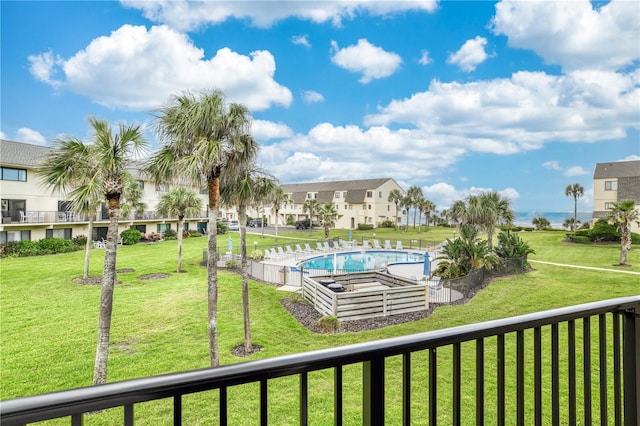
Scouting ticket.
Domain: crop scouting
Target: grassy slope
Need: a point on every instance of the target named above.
(48, 324)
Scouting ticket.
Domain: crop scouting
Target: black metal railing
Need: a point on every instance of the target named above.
(516, 349)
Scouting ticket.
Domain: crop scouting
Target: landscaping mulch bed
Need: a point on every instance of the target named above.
(309, 317)
(125, 271)
(155, 276)
(90, 281)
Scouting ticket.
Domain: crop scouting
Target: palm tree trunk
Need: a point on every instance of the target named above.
(625, 244)
(179, 235)
(242, 213)
(276, 225)
(87, 250)
(395, 225)
(212, 271)
(575, 212)
(106, 295)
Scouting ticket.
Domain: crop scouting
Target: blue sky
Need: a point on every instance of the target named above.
(522, 97)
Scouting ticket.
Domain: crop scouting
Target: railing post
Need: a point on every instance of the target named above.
(373, 392)
(631, 365)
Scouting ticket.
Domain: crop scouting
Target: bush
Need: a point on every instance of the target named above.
(604, 231)
(55, 245)
(222, 228)
(170, 234)
(635, 238)
(130, 236)
(233, 264)
(329, 324)
(194, 234)
(579, 239)
(80, 241)
(290, 221)
(364, 227)
(257, 254)
(387, 224)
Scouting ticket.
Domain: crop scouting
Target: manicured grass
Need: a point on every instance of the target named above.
(48, 325)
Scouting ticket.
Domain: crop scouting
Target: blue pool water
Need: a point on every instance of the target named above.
(359, 261)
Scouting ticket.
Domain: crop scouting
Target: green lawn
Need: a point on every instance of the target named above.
(48, 324)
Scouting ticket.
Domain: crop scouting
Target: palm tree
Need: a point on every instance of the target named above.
(203, 136)
(427, 207)
(576, 191)
(406, 203)
(570, 223)
(487, 210)
(327, 215)
(458, 212)
(98, 168)
(179, 202)
(395, 196)
(624, 213)
(239, 188)
(278, 199)
(310, 206)
(415, 194)
(541, 223)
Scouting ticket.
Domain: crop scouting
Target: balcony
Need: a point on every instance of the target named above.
(29, 217)
(572, 346)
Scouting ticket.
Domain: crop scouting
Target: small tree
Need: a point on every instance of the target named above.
(624, 213)
(310, 206)
(179, 202)
(278, 199)
(328, 216)
(541, 223)
(395, 197)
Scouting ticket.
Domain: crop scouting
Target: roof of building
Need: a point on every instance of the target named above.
(356, 189)
(22, 154)
(617, 169)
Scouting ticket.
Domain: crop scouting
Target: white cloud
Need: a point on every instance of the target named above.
(572, 33)
(552, 165)
(311, 96)
(470, 55)
(191, 15)
(138, 69)
(3, 135)
(372, 61)
(631, 158)
(576, 171)
(424, 58)
(521, 113)
(302, 40)
(44, 66)
(33, 137)
(263, 130)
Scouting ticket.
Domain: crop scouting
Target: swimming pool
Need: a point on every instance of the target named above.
(360, 261)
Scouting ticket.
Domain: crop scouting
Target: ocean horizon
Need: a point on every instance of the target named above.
(555, 218)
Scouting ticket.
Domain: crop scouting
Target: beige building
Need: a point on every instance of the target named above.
(356, 201)
(31, 211)
(613, 182)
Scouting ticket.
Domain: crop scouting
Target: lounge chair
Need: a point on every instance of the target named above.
(326, 246)
(319, 246)
(281, 253)
(399, 245)
(308, 249)
(98, 244)
(376, 245)
(387, 245)
(336, 246)
(365, 244)
(290, 251)
(299, 249)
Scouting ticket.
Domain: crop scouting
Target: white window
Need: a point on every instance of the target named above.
(379, 194)
(610, 185)
(369, 194)
(337, 195)
(162, 188)
(608, 206)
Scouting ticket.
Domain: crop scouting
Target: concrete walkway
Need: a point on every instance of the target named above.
(585, 267)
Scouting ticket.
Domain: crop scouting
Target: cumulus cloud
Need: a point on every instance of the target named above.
(302, 40)
(263, 130)
(552, 165)
(31, 136)
(470, 55)
(572, 34)
(191, 15)
(138, 69)
(576, 171)
(311, 96)
(424, 58)
(371, 61)
(3, 135)
(521, 113)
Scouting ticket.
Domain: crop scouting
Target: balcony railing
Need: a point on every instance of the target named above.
(33, 217)
(504, 351)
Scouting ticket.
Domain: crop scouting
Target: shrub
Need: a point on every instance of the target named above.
(233, 264)
(290, 221)
(329, 324)
(130, 236)
(387, 224)
(635, 238)
(80, 241)
(170, 234)
(604, 231)
(55, 245)
(222, 228)
(257, 254)
(194, 234)
(364, 227)
(579, 239)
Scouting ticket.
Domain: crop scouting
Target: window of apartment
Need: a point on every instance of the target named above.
(336, 195)
(6, 236)
(162, 188)
(369, 194)
(9, 173)
(99, 233)
(309, 195)
(64, 233)
(163, 227)
(13, 209)
(610, 185)
(369, 206)
(388, 208)
(608, 206)
(141, 228)
(344, 194)
(141, 183)
(379, 194)
(350, 207)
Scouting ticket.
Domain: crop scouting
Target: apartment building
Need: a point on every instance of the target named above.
(31, 211)
(613, 182)
(356, 201)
